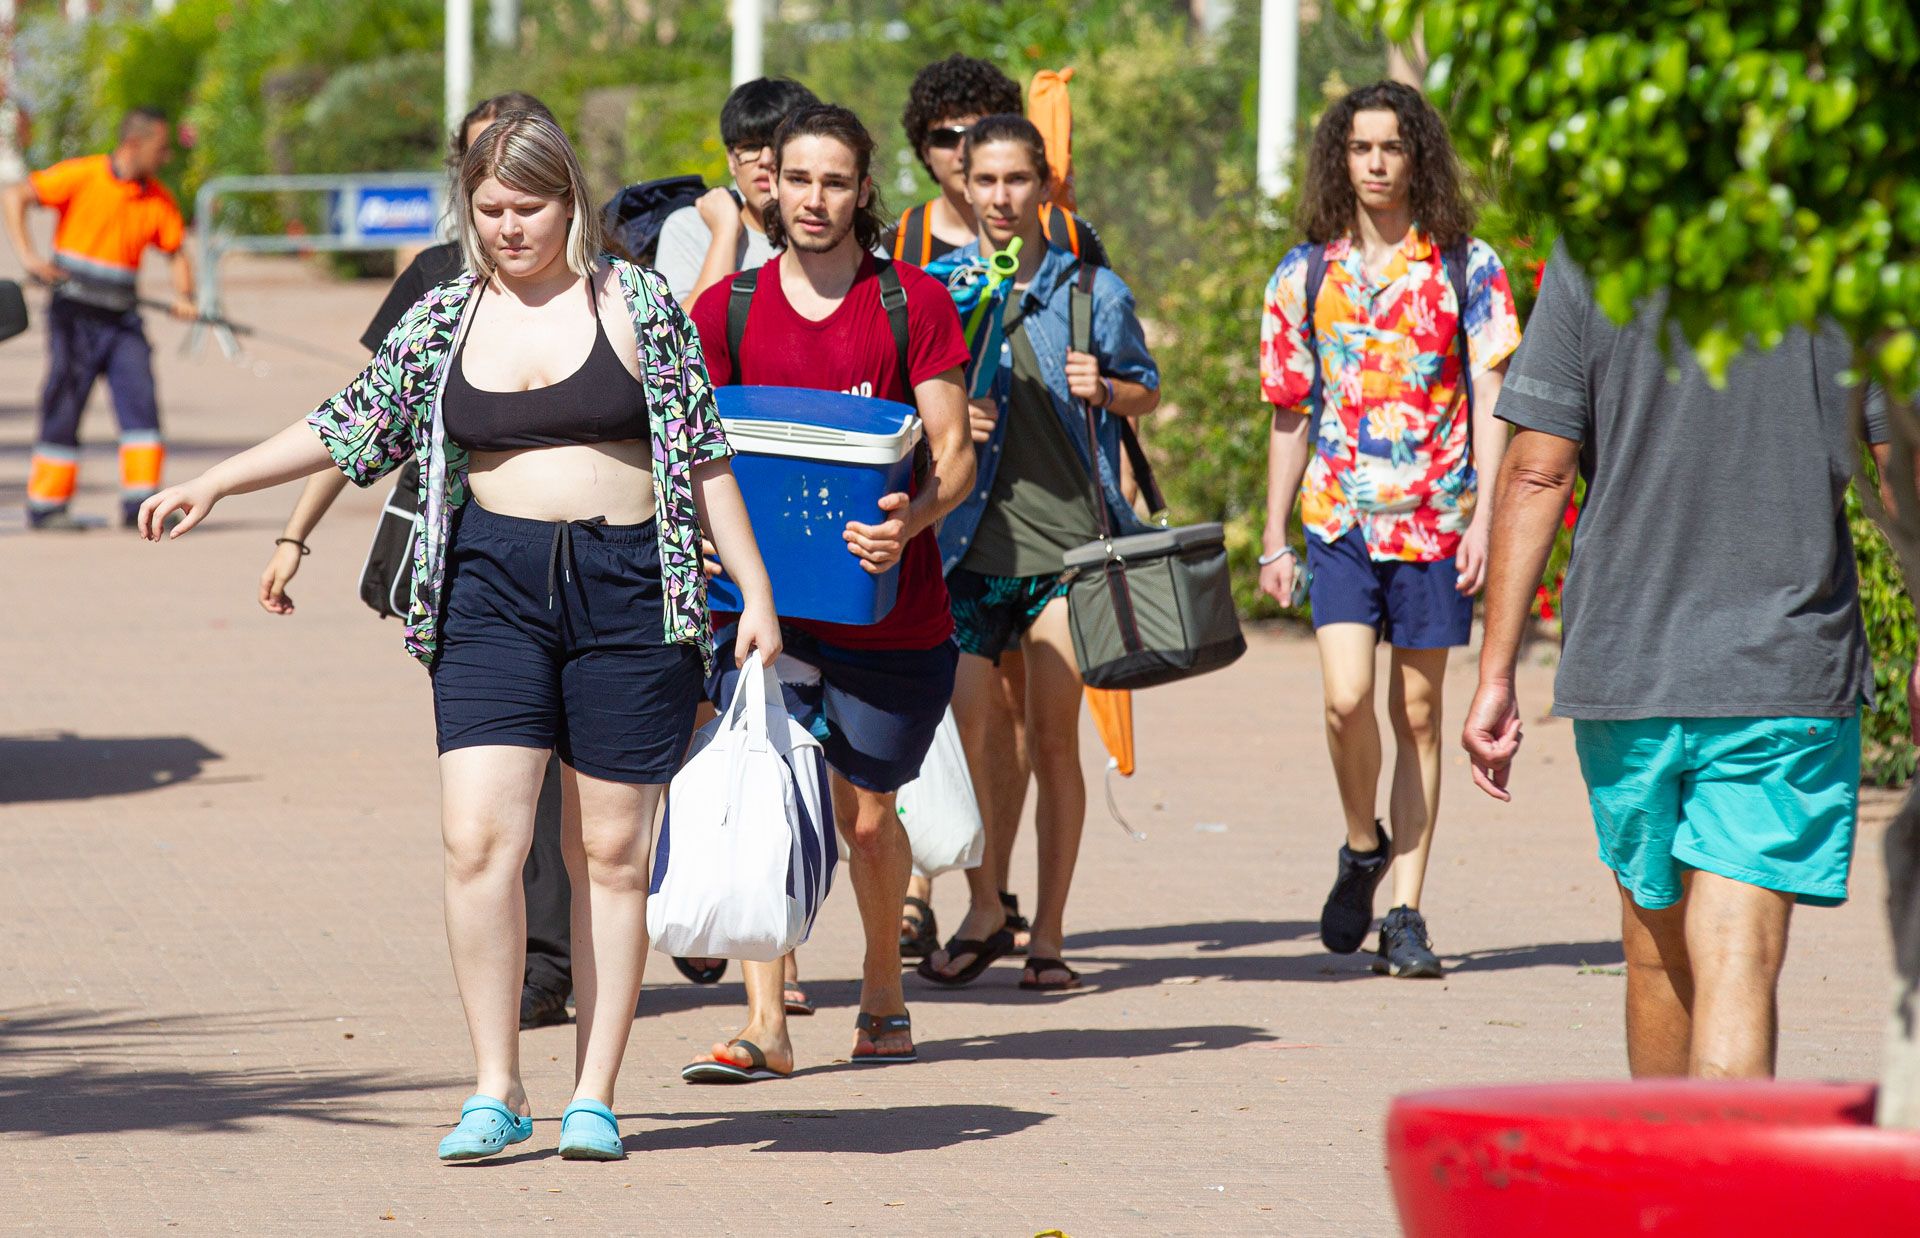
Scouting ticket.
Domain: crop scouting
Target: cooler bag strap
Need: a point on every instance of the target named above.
(1080, 334)
(1080, 329)
(739, 302)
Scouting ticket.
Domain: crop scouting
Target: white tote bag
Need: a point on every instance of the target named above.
(747, 848)
(938, 809)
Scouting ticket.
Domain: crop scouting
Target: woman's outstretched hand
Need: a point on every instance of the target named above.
(190, 500)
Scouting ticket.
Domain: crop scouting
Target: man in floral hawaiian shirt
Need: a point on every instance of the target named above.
(1372, 334)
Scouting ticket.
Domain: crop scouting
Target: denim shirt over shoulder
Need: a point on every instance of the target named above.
(1121, 346)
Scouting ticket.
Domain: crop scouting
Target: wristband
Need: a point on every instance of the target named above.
(1109, 383)
(1276, 556)
(293, 541)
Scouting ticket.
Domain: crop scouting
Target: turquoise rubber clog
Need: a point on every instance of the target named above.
(589, 1132)
(486, 1126)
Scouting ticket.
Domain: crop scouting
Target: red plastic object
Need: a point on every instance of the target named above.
(1681, 1157)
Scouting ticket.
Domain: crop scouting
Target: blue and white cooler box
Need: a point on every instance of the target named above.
(808, 462)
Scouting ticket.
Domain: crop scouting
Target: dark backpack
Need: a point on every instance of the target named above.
(1454, 258)
(635, 215)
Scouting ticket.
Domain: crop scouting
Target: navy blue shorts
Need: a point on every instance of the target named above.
(552, 637)
(874, 711)
(1409, 605)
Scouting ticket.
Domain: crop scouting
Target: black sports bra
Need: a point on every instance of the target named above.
(601, 402)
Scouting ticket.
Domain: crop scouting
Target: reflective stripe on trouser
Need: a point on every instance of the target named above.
(83, 345)
(141, 455)
(51, 480)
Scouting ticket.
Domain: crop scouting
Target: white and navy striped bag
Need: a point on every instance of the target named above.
(747, 848)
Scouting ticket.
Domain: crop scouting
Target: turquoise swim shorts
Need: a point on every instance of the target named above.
(1766, 801)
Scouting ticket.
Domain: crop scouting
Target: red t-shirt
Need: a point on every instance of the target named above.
(851, 350)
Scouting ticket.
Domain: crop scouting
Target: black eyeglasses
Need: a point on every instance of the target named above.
(948, 138)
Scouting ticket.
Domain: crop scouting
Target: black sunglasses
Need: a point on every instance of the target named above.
(948, 138)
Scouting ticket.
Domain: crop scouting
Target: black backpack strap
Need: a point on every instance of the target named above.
(1454, 258)
(1080, 309)
(1316, 395)
(739, 302)
(893, 298)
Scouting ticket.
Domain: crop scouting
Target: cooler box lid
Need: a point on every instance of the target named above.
(817, 425)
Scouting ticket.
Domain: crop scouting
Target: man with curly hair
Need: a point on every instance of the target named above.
(1382, 346)
(946, 98)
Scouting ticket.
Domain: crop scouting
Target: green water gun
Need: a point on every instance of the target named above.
(983, 328)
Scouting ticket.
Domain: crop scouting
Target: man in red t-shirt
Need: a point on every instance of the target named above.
(816, 320)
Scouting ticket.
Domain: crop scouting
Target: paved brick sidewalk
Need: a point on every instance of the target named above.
(227, 1006)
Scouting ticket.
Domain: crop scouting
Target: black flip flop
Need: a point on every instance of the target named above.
(1036, 966)
(701, 975)
(715, 1071)
(1016, 923)
(984, 953)
(800, 1006)
(925, 939)
(876, 1026)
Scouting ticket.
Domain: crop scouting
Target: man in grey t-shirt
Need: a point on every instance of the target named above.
(1714, 661)
(726, 230)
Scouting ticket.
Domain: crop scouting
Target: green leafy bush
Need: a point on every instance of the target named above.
(1888, 757)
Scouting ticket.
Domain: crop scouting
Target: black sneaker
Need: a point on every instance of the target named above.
(58, 520)
(1405, 950)
(540, 1007)
(1348, 914)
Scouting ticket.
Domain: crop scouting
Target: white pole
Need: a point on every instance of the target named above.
(77, 10)
(749, 18)
(163, 7)
(1279, 90)
(459, 58)
(503, 22)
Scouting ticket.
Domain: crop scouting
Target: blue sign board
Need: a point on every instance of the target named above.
(397, 213)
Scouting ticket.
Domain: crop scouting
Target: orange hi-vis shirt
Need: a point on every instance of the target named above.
(106, 223)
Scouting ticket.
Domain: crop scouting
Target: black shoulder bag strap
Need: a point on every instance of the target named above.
(739, 301)
(1080, 332)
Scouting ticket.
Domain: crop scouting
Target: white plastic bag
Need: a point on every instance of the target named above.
(938, 809)
(746, 848)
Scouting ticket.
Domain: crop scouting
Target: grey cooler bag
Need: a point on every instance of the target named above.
(1152, 607)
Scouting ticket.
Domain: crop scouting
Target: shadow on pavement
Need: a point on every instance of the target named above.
(61, 765)
(903, 1128)
(1554, 954)
(98, 1085)
(1222, 935)
(1102, 974)
(1081, 1043)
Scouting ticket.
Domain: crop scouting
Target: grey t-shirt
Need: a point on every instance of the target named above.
(1712, 574)
(682, 250)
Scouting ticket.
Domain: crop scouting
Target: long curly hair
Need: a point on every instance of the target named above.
(1327, 202)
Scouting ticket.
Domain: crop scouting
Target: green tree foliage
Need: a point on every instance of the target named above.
(1758, 158)
(1887, 757)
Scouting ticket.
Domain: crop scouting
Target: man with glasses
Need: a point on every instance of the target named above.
(726, 230)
